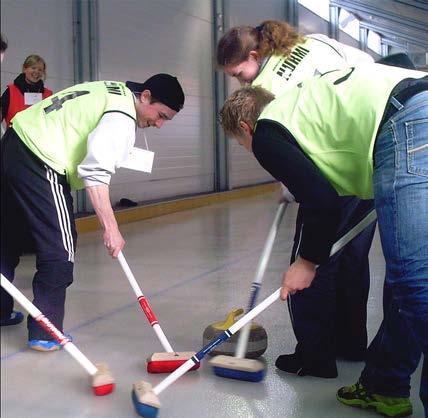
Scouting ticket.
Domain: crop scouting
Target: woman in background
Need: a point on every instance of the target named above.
(27, 89)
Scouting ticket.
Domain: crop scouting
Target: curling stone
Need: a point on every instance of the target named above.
(257, 342)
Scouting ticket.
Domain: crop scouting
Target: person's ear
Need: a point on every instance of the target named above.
(255, 55)
(145, 96)
(248, 130)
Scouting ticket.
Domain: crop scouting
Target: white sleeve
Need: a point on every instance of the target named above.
(286, 195)
(355, 56)
(352, 56)
(108, 145)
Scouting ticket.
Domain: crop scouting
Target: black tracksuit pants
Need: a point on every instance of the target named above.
(329, 318)
(36, 200)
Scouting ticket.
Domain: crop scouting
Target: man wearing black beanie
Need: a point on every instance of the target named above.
(72, 140)
(164, 87)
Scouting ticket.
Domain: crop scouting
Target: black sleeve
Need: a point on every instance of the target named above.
(278, 152)
(5, 97)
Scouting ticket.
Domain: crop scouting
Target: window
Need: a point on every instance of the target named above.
(319, 7)
(349, 24)
(374, 42)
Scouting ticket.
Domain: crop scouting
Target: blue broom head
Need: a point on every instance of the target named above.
(239, 374)
(144, 410)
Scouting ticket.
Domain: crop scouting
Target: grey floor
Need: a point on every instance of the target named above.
(194, 267)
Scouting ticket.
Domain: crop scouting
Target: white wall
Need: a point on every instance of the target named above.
(309, 22)
(139, 38)
(42, 27)
(244, 168)
(136, 40)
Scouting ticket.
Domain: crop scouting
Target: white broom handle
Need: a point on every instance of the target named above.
(37, 314)
(81, 358)
(176, 374)
(129, 275)
(338, 245)
(352, 233)
(255, 311)
(133, 282)
(162, 338)
(366, 221)
(264, 304)
(267, 250)
(241, 347)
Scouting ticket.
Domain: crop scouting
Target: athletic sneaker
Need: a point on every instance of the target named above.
(45, 345)
(390, 406)
(15, 318)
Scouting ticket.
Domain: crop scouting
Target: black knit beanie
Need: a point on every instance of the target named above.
(163, 87)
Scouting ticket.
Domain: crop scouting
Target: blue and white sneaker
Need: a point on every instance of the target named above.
(15, 318)
(45, 345)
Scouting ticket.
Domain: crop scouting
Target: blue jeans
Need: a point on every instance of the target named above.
(401, 200)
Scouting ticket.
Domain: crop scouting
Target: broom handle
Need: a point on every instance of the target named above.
(241, 347)
(338, 245)
(366, 221)
(352, 233)
(48, 326)
(144, 303)
(220, 339)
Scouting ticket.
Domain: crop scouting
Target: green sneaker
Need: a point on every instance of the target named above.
(390, 406)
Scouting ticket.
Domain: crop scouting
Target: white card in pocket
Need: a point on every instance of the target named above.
(139, 159)
(32, 98)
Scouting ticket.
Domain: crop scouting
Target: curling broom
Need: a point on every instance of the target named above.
(102, 381)
(164, 362)
(239, 367)
(145, 397)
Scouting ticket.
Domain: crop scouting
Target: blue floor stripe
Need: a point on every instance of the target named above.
(149, 296)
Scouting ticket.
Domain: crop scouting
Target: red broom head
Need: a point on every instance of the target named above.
(103, 389)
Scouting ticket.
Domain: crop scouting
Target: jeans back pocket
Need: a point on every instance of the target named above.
(417, 147)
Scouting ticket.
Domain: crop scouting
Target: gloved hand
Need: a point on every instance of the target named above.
(285, 195)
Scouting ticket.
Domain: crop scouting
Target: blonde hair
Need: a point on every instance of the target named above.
(271, 37)
(32, 60)
(244, 105)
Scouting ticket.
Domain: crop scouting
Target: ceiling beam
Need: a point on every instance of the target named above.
(384, 31)
(359, 7)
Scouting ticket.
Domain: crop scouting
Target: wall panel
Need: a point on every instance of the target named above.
(309, 22)
(140, 38)
(244, 168)
(41, 27)
(45, 28)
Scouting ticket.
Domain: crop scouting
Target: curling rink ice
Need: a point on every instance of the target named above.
(194, 267)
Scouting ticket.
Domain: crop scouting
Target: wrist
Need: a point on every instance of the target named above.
(307, 264)
(110, 227)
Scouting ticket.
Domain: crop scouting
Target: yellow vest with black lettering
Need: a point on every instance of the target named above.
(335, 118)
(57, 128)
(314, 55)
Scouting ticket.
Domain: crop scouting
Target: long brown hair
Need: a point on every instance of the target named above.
(270, 37)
